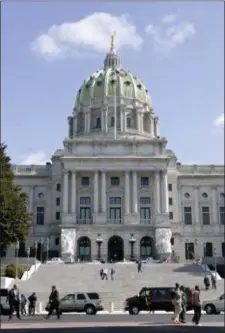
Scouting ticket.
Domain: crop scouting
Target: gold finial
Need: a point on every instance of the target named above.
(112, 38)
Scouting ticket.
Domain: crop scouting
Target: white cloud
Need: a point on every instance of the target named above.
(219, 121)
(38, 157)
(167, 37)
(91, 33)
(169, 18)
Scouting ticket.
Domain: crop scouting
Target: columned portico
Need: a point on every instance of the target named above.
(134, 191)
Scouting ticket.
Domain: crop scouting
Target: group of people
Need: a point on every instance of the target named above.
(17, 303)
(104, 273)
(180, 300)
(207, 282)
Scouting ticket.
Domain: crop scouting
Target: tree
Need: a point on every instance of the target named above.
(14, 218)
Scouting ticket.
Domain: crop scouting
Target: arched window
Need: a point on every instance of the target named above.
(84, 249)
(146, 248)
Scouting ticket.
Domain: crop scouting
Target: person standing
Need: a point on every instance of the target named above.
(14, 302)
(32, 304)
(112, 273)
(53, 303)
(139, 267)
(23, 302)
(182, 317)
(177, 303)
(206, 282)
(197, 306)
(105, 274)
(213, 280)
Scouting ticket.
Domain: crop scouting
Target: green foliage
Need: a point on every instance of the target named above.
(14, 218)
(10, 271)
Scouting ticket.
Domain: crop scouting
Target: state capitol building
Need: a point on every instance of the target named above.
(115, 191)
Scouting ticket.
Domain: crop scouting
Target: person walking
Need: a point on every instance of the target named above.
(213, 280)
(14, 302)
(182, 317)
(206, 282)
(197, 306)
(177, 303)
(32, 304)
(139, 267)
(23, 302)
(105, 274)
(112, 273)
(53, 303)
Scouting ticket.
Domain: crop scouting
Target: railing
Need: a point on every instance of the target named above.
(145, 221)
(84, 221)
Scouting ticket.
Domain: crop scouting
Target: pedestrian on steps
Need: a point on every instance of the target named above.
(197, 306)
(53, 303)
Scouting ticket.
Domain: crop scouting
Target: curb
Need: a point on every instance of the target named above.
(123, 313)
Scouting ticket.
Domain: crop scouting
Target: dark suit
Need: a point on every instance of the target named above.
(14, 302)
(54, 303)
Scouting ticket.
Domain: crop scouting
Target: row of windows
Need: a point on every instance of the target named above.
(205, 215)
(208, 250)
(98, 123)
(114, 181)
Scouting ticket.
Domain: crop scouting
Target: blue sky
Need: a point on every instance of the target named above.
(176, 48)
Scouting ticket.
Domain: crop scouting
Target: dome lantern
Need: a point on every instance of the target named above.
(112, 59)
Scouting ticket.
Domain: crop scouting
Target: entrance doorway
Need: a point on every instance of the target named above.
(115, 249)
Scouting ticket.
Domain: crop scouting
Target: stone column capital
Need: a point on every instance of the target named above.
(65, 171)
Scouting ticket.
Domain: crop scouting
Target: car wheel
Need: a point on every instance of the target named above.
(90, 310)
(134, 310)
(210, 309)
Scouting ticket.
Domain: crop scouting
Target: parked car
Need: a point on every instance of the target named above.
(80, 302)
(154, 299)
(55, 261)
(214, 306)
(4, 305)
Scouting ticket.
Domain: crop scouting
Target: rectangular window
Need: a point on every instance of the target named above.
(98, 122)
(170, 201)
(172, 241)
(171, 215)
(57, 216)
(58, 187)
(128, 122)
(93, 295)
(85, 181)
(205, 216)
(145, 215)
(112, 122)
(115, 181)
(40, 215)
(223, 249)
(57, 241)
(144, 181)
(115, 201)
(80, 297)
(222, 215)
(115, 215)
(208, 249)
(145, 200)
(189, 251)
(86, 201)
(187, 216)
(85, 215)
(170, 187)
(57, 201)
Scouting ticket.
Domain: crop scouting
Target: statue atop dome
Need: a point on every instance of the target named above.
(112, 42)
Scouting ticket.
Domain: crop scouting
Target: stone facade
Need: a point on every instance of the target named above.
(115, 178)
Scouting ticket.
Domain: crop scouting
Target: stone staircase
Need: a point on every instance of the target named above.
(128, 282)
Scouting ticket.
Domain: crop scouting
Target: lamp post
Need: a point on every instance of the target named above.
(47, 248)
(132, 241)
(215, 262)
(17, 257)
(28, 260)
(99, 241)
(35, 254)
(41, 249)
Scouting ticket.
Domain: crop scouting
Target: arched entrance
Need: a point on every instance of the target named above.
(84, 249)
(115, 249)
(146, 247)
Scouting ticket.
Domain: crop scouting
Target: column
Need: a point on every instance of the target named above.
(31, 198)
(102, 120)
(75, 126)
(214, 206)
(124, 120)
(103, 191)
(164, 192)
(152, 128)
(156, 126)
(121, 120)
(196, 204)
(65, 192)
(73, 193)
(106, 120)
(135, 203)
(138, 121)
(141, 122)
(96, 192)
(157, 200)
(127, 193)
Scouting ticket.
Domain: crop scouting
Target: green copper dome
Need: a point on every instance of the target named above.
(111, 81)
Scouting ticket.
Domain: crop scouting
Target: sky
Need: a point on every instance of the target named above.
(176, 48)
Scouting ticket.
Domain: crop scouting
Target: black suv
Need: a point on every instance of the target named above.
(154, 299)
